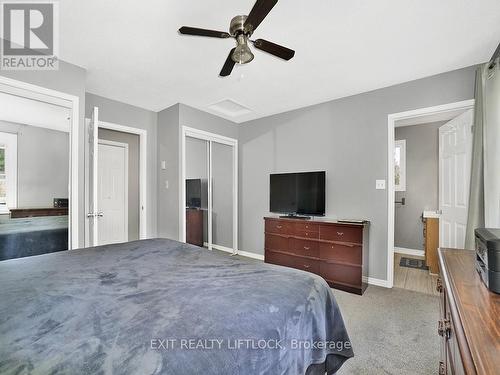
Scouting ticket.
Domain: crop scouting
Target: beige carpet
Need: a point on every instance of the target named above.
(393, 331)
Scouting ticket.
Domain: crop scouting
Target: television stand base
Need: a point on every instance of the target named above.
(297, 217)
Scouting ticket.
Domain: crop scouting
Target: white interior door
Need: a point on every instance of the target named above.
(455, 151)
(112, 197)
(91, 236)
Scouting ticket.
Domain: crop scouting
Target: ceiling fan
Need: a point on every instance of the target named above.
(241, 29)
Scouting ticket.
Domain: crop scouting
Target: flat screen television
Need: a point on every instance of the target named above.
(298, 193)
(193, 193)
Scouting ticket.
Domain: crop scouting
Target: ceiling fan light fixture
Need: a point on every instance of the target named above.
(242, 53)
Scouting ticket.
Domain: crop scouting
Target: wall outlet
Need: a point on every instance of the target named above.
(166, 184)
(380, 184)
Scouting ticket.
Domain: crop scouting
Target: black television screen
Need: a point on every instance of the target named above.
(298, 193)
(193, 193)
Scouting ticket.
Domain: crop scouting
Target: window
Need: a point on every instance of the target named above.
(8, 172)
(400, 165)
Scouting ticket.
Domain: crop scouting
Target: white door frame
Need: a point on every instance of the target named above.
(72, 102)
(124, 146)
(211, 137)
(143, 147)
(391, 124)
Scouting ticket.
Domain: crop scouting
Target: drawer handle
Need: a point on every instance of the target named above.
(444, 328)
(307, 248)
(306, 266)
(340, 233)
(439, 286)
(279, 226)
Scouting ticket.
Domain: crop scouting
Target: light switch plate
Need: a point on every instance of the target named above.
(163, 164)
(380, 185)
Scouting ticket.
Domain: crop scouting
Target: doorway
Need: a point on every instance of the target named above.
(38, 170)
(116, 211)
(209, 190)
(420, 212)
(113, 182)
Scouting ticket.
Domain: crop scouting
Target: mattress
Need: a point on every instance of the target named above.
(163, 307)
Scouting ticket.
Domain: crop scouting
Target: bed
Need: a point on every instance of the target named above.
(163, 307)
(32, 236)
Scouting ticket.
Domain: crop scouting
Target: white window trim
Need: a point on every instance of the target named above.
(10, 142)
(402, 173)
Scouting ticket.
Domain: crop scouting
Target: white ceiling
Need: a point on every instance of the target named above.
(133, 53)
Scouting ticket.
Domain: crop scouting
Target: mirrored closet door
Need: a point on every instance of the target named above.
(209, 209)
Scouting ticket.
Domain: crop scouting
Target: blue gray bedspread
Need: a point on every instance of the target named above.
(162, 307)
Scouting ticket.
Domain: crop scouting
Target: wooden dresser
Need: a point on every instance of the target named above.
(337, 252)
(469, 324)
(19, 213)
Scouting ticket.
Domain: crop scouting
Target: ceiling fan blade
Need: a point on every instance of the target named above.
(228, 65)
(203, 32)
(274, 49)
(259, 11)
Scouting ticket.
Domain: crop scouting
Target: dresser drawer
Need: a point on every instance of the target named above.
(279, 259)
(307, 234)
(278, 227)
(303, 264)
(341, 253)
(308, 265)
(341, 233)
(342, 274)
(276, 242)
(306, 227)
(304, 247)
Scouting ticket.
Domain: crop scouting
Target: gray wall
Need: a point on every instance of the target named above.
(128, 115)
(195, 118)
(132, 141)
(347, 138)
(168, 151)
(69, 79)
(42, 164)
(422, 183)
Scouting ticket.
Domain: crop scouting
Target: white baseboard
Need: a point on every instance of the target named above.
(376, 282)
(251, 255)
(238, 252)
(415, 252)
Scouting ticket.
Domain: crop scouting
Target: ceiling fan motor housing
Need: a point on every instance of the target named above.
(238, 26)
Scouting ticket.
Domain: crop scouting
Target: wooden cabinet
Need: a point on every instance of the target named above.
(431, 243)
(469, 323)
(336, 251)
(194, 226)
